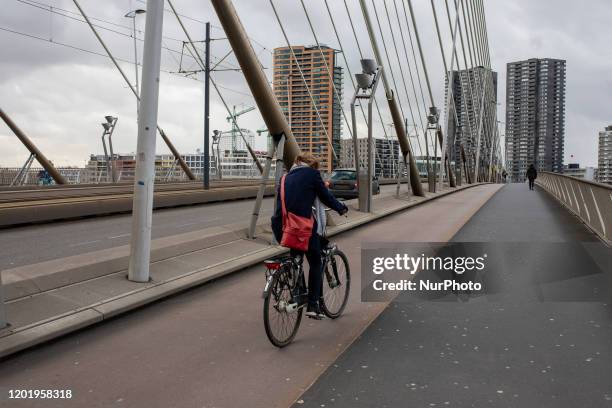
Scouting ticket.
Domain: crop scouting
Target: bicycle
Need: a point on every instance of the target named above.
(285, 294)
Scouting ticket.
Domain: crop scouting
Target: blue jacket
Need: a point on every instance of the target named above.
(302, 186)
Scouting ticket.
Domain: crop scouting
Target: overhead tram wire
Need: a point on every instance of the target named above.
(54, 10)
(75, 16)
(314, 104)
(200, 60)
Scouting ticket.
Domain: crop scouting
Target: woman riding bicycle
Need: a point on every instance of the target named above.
(303, 185)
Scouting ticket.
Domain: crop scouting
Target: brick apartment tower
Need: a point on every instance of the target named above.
(535, 116)
(295, 102)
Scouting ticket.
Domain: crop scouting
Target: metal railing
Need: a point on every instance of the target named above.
(590, 201)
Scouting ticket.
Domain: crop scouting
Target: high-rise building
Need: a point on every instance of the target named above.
(604, 156)
(535, 116)
(385, 151)
(311, 133)
(467, 88)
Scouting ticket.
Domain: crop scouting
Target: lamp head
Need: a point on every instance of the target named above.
(106, 126)
(369, 66)
(133, 13)
(364, 81)
(109, 119)
(433, 116)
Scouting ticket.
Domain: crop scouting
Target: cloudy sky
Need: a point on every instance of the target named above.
(57, 87)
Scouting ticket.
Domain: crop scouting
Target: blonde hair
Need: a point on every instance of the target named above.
(307, 159)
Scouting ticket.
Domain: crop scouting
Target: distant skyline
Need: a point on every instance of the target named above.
(59, 95)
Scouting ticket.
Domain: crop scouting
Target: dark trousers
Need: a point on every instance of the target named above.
(531, 183)
(315, 275)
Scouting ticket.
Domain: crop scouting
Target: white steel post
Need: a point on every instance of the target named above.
(140, 246)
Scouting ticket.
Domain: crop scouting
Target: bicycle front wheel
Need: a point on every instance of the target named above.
(280, 320)
(336, 285)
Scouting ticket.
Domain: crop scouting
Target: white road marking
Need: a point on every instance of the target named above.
(84, 243)
(119, 236)
(198, 222)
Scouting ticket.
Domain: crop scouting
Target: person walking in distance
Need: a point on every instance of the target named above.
(531, 174)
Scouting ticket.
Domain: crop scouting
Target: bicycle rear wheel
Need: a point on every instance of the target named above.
(281, 323)
(336, 285)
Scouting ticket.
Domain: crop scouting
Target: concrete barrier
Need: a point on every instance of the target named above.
(589, 201)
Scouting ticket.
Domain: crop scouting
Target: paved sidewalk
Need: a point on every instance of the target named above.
(52, 298)
(543, 341)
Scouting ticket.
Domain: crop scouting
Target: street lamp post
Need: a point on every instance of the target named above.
(367, 81)
(132, 14)
(109, 128)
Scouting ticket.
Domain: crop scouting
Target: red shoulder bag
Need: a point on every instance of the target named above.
(296, 230)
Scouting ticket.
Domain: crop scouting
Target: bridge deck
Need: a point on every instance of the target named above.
(207, 347)
(523, 348)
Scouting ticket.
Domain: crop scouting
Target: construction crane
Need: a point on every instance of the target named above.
(233, 119)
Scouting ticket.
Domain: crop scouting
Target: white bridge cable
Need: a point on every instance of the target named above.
(465, 94)
(422, 54)
(476, 105)
(450, 79)
(492, 139)
(390, 69)
(329, 74)
(382, 122)
(434, 140)
(350, 74)
(314, 104)
(335, 90)
(414, 57)
(348, 68)
(416, 67)
(450, 107)
(483, 79)
(399, 62)
(410, 74)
